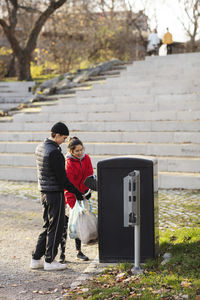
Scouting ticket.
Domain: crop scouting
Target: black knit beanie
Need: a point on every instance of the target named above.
(60, 128)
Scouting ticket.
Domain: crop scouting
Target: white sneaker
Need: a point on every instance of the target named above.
(36, 264)
(54, 266)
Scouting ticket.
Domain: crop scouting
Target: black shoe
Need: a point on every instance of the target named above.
(82, 256)
(62, 259)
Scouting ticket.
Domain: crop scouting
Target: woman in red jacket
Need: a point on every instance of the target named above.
(78, 168)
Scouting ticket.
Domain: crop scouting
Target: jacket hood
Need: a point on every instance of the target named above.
(68, 155)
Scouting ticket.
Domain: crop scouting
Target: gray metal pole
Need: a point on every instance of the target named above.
(137, 269)
(137, 246)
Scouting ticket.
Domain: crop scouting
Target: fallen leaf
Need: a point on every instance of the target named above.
(41, 293)
(105, 285)
(121, 275)
(132, 295)
(197, 297)
(23, 292)
(185, 284)
(85, 290)
(127, 279)
(14, 285)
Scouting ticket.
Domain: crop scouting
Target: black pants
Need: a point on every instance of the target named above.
(169, 49)
(64, 240)
(54, 216)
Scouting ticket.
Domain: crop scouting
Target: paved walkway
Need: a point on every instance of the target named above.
(177, 208)
(20, 223)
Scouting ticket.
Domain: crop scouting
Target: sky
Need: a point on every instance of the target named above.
(167, 13)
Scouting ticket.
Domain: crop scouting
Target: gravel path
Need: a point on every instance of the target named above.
(20, 223)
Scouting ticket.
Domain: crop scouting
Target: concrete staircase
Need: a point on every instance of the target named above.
(13, 94)
(152, 108)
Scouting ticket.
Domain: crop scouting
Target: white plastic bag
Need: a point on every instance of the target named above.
(73, 215)
(87, 227)
(163, 50)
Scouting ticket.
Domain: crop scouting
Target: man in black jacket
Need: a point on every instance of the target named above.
(52, 180)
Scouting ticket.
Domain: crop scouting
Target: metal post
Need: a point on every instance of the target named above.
(137, 269)
(132, 213)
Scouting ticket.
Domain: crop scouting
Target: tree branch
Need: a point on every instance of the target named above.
(10, 36)
(12, 12)
(29, 9)
(31, 43)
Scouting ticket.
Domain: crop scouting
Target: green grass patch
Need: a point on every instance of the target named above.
(179, 278)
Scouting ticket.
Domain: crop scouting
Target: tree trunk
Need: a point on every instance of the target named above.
(193, 44)
(23, 67)
(23, 56)
(11, 68)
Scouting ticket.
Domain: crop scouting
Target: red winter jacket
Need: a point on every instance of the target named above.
(77, 171)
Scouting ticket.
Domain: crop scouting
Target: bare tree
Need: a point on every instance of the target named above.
(12, 11)
(192, 27)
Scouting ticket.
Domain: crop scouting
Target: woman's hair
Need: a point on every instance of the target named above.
(73, 142)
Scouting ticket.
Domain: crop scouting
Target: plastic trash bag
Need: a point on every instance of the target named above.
(87, 226)
(73, 215)
(163, 50)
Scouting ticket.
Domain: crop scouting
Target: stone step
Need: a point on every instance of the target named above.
(110, 116)
(152, 84)
(170, 64)
(165, 164)
(176, 60)
(15, 99)
(135, 99)
(18, 174)
(184, 56)
(143, 98)
(130, 126)
(166, 180)
(175, 89)
(153, 71)
(134, 76)
(16, 86)
(153, 149)
(175, 180)
(127, 104)
(141, 137)
(8, 106)
(148, 82)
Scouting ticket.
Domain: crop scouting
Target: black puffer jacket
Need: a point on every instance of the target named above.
(51, 169)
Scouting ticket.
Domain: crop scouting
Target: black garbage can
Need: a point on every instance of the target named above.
(116, 242)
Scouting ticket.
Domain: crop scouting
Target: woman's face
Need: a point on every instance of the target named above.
(78, 151)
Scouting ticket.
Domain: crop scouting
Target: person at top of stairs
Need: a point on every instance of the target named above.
(167, 40)
(153, 43)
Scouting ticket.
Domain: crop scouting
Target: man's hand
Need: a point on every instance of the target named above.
(79, 196)
(87, 194)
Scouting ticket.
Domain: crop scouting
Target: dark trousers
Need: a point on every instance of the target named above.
(54, 216)
(169, 49)
(64, 240)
